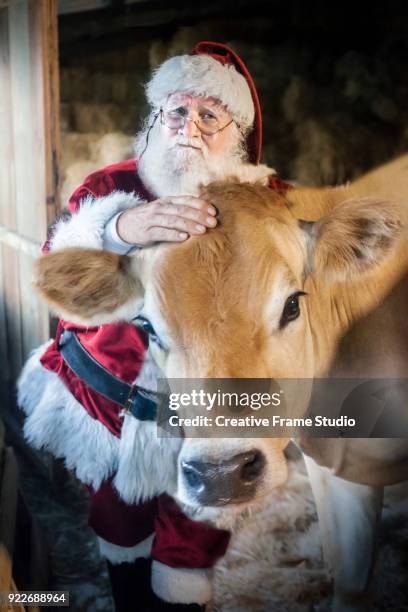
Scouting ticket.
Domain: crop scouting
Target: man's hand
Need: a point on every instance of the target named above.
(171, 219)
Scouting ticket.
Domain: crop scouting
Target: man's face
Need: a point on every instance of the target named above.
(176, 157)
(202, 111)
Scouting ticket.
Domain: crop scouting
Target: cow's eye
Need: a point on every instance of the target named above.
(149, 329)
(291, 310)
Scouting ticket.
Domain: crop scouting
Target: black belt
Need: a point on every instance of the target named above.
(142, 404)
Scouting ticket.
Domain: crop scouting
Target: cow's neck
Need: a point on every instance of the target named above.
(342, 313)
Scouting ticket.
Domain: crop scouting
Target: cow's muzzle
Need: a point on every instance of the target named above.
(229, 482)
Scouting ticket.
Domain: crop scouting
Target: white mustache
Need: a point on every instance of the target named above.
(188, 142)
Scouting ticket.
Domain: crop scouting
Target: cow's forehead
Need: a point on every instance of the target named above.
(251, 258)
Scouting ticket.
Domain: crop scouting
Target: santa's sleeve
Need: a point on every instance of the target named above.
(90, 208)
(184, 553)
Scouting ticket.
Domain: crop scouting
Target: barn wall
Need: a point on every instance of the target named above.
(29, 133)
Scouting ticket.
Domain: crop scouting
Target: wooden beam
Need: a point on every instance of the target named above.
(29, 158)
(6, 580)
(5, 372)
(9, 290)
(78, 6)
(44, 27)
(20, 243)
(8, 503)
(66, 7)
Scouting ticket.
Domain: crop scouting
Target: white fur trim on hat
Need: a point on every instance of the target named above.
(202, 75)
(181, 585)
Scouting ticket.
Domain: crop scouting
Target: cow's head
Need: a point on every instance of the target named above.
(244, 300)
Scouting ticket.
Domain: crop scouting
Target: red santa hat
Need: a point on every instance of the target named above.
(213, 70)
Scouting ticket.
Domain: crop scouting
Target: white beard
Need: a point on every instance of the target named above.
(168, 168)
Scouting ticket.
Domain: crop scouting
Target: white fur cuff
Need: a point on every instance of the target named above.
(181, 585)
(125, 554)
(86, 227)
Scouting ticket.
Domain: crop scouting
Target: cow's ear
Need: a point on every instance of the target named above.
(88, 286)
(353, 238)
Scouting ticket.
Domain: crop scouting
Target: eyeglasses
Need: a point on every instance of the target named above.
(208, 124)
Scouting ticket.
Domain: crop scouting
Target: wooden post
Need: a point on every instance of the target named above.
(8, 505)
(29, 159)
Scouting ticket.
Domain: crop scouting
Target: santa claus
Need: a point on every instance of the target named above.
(81, 392)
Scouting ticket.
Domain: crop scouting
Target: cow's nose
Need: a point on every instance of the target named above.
(232, 481)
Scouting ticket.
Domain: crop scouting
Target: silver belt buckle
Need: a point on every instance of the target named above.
(130, 398)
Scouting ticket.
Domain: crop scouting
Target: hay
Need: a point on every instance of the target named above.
(328, 117)
(86, 153)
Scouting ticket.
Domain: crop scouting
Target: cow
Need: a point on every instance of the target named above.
(306, 284)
